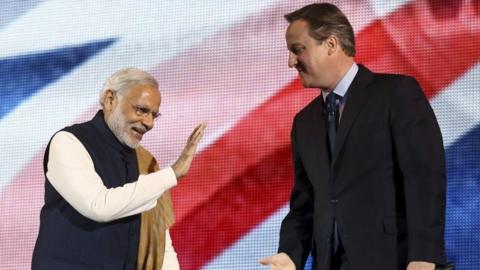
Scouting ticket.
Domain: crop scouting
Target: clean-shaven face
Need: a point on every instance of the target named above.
(308, 56)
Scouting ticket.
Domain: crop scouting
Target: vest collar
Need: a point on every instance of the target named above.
(108, 137)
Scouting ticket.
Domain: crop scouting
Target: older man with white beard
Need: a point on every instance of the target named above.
(99, 180)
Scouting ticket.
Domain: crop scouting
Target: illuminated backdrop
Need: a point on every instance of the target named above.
(225, 62)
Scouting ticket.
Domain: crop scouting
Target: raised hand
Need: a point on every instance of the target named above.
(182, 165)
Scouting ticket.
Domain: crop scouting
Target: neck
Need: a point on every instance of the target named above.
(343, 64)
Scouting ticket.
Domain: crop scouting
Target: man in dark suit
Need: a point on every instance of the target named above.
(369, 191)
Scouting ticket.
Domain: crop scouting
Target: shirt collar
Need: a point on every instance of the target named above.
(342, 86)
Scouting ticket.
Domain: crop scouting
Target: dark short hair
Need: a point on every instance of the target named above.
(326, 19)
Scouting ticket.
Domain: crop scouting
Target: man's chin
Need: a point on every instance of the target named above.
(133, 144)
(309, 84)
(130, 142)
(306, 83)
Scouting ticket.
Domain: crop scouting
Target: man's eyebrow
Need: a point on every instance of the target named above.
(293, 45)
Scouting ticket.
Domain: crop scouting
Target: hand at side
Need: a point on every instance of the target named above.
(420, 266)
(279, 261)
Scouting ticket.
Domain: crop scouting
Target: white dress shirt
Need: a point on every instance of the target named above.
(342, 87)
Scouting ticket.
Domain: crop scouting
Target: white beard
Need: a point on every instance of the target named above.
(119, 126)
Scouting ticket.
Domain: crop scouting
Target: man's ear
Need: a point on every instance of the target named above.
(332, 44)
(109, 100)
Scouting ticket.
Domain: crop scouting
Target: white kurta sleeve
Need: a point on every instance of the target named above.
(71, 172)
(170, 260)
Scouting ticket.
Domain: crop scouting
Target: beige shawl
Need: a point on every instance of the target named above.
(154, 222)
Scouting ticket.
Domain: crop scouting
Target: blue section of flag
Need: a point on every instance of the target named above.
(309, 263)
(23, 76)
(462, 232)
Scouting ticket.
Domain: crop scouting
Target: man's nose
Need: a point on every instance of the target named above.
(148, 121)
(292, 60)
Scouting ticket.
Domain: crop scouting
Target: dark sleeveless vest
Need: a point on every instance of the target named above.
(69, 240)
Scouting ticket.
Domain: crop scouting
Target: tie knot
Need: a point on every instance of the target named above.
(332, 98)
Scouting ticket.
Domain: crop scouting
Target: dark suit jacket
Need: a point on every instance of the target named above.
(384, 184)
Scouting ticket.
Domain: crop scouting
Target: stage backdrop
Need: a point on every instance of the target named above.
(225, 62)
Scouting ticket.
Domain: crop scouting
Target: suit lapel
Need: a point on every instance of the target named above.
(322, 131)
(357, 98)
(315, 127)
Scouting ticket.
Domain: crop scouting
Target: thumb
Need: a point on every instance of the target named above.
(267, 260)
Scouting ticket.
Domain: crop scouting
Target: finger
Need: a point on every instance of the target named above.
(198, 133)
(192, 135)
(198, 129)
(266, 260)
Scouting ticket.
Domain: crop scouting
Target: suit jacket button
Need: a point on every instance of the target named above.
(334, 201)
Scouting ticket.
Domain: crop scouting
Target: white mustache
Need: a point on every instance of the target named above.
(140, 129)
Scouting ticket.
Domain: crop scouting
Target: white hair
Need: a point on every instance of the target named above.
(120, 81)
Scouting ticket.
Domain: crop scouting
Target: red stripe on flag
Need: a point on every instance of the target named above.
(230, 213)
(432, 44)
(243, 178)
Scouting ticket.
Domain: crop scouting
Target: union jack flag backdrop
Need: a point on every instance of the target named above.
(223, 61)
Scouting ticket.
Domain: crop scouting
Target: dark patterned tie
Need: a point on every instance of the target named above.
(333, 101)
(332, 111)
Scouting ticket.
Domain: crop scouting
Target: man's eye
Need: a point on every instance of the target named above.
(297, 50)
(141, 110)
